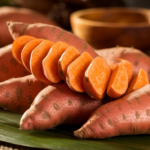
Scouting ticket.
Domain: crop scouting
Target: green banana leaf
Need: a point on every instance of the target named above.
(62, 138)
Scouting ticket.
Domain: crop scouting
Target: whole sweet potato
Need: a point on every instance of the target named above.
(18, 14)
(17, 94)
(50, 32)
(129, 115)
(9, 67)
(136, 57)
(56, 105)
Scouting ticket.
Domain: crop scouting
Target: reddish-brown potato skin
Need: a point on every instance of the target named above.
(136, 57)
(25, 15)
(17, 94)
(56, 105)
(49, 32)
(9, 67)
(128, 115)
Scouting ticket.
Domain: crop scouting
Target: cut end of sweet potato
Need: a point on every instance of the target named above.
(96, 78)
(50, 62)
(140, 80)
(37, 56)
(76, 70)
(18, 45)
(70, 54)
(118, 82)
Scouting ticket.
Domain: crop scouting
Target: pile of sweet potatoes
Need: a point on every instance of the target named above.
(54, 55)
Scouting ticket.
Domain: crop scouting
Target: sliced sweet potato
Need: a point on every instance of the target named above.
(26, 52)
(140, 80)
(18, 45)
(66, 58)
(96, 78)
(51, 33)
(50, 62)
(127, 64)
(76, 70)
(37, 56)
(118, 82)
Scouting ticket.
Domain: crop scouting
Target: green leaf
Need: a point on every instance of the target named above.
(62, 138)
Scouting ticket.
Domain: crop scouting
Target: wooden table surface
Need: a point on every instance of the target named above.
(7, 146)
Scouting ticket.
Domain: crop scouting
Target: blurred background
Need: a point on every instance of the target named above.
(59, 11)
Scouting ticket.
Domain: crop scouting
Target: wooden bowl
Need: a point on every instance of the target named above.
(108, 27)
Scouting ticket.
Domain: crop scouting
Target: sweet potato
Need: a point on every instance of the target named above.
(37, 56)
(118, 82)
(129, 115)
(26, 52)
(113, 64)
(18, 46)
(56, 105)
(19, 15)
(137, 58)
(50, 62)
(51, 33)
(140, 80)
(9, 67)
(128, 67)
(70, 54)
(96, 78)
(76, 71)
(17, 94)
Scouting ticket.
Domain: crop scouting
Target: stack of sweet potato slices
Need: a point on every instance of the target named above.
(53, 62)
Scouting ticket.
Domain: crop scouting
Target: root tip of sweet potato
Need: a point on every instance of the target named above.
(21, 128)
(79, 134)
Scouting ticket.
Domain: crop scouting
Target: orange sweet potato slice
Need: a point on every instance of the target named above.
(66, 58)
(37, 56)
(118, 82)
(140, 79)
(76, 70)
(26, 52)
(128, 67)
(50, 62)
(114, 63)
(18, 45)
(96, 78)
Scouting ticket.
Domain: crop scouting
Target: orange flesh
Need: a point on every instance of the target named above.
(66, 58)
(118, 82)
(26, 52)
(76, 70)
(18, 45)
(98, 74)
(37, 56)
(140, 80)
(129, 68)
(50, 62)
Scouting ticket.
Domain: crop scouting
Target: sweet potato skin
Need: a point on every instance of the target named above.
(56, 105)
(135, 56)
(51, 33)
(9, 67)
(129, 115)
(25, 15)
(17, 94)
